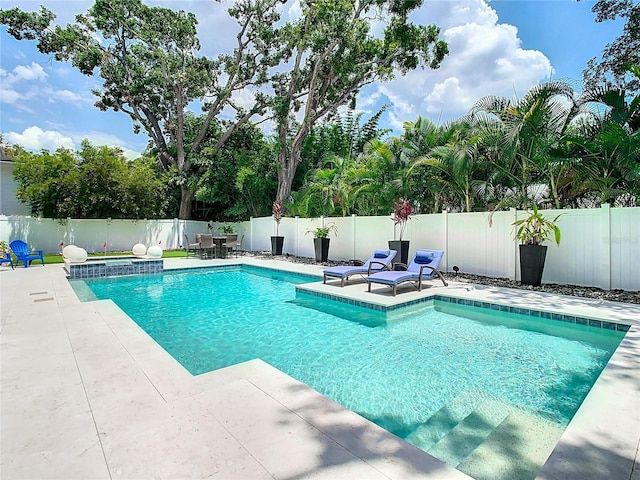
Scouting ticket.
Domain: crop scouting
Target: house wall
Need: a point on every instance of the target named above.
(9, 204)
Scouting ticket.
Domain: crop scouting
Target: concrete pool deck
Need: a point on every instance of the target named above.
(87, 394)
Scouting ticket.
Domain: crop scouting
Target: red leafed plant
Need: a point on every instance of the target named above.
(278, 213)
(401, 213)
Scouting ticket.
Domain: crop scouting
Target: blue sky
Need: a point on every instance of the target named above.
(501, 47)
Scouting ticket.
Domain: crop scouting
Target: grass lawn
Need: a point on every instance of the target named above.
(57, 258)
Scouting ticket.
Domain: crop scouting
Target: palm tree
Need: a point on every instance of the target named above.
(528, 130)
(326, 190)
(609, 145)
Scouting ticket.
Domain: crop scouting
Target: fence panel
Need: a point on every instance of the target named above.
(625, 248)
(371, 233)
(578, 260)
(599, 246)
(476, 246)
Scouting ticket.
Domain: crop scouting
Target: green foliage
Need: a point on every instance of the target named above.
(332, 54)
(94, 182)
(535, 229)
(622, 52)
(324, 231)
(239, 179)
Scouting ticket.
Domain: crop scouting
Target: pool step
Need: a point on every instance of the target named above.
(443, 421)
(515, 450)
(470, 432)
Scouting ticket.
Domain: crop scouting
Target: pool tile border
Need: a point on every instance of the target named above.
(236, 266)
(114, 268)
(561, 317)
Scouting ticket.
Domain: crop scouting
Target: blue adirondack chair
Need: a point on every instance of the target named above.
(21, 250)
(7, 259)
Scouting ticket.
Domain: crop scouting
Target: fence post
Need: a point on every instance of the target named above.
(297, 239)
(354, 219)
(605, 265)
(516, 250)
(251, 234)
(445, 240)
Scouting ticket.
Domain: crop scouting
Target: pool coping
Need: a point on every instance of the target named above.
(604, 434)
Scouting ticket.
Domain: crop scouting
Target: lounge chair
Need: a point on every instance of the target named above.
(379, 261)
(23, 254)
(191, 247)
(7, 259)
(423, 267)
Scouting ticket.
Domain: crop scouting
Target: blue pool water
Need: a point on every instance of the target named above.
(398, 369)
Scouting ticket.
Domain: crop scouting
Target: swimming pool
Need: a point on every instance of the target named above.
(419, 373)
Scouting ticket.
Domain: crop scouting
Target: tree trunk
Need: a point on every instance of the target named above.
(186, 199)
(289, 163)
(285, 176)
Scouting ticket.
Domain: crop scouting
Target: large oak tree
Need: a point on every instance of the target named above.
(148, 60)
(332, 54)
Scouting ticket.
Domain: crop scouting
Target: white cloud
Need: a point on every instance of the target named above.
(29, 72)
(8, 95)
(34, 138)
(295, 10)
(98, 138)
(23, 73)
(485, 58)
(66, 96)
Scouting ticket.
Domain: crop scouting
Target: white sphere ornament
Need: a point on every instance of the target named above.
(78, 255)
(155, 251)
(66, 251)
(139, 249)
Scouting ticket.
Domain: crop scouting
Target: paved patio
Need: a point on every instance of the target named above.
(87, 394)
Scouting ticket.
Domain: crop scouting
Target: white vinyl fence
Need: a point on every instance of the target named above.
(600, 247)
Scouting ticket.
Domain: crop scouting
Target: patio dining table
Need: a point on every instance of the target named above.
(220, 251)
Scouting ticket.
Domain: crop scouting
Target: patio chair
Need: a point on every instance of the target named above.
(378, 262)
(230, 243)
(23, 254)
(7, 259)
(423, 267)
(207, 246)
(238, 246)
(191, 247)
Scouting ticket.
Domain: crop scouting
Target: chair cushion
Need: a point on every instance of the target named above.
(389, 278)
(423, 258)
(381, 254)
(344, 270)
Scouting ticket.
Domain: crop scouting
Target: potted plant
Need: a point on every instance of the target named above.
(227, 229)
(532, 232)
(401, 214)
(321, 240)
(277, 241)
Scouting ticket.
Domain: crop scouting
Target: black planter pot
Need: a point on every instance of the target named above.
(322, 249)
(532, 263)
(402, 247)
(276, 245)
